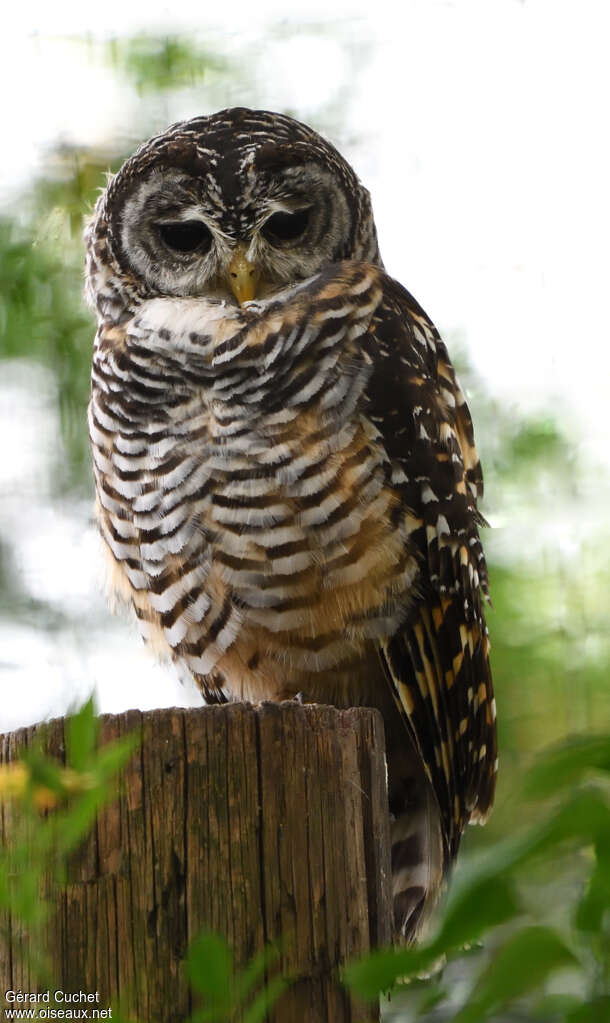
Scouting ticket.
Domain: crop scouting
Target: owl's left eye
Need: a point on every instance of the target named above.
(286, 227)
(186, 236)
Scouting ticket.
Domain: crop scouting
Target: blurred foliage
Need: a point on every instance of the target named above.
(42, 841)
(42, 317)
(227, 993)
(154, 64)
(548, 956)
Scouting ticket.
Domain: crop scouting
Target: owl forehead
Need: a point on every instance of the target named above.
(230, 163)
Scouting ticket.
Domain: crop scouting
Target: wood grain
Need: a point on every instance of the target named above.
(264, 823)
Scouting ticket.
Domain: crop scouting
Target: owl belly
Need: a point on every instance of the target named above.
(311, 619)
(263, 569)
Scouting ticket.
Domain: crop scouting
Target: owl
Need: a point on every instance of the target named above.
(285, 466)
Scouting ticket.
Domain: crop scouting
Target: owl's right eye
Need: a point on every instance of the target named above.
(286, 227)
(186, 236)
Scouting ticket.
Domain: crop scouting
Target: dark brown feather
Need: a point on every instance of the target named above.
(439, 660)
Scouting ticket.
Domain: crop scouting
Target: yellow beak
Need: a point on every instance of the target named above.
(243, 275)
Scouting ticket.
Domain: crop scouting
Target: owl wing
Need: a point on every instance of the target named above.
(439, 659)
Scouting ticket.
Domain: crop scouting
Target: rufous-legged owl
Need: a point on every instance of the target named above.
(285, 466)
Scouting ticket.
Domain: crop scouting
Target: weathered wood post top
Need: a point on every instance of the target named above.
(263, 823)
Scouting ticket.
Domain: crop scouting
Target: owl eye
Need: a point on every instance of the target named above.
(286, 227)
(186, 236)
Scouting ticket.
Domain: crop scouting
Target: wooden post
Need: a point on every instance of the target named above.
(262, 823)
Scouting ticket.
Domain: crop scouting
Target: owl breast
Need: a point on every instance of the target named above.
(244, 496)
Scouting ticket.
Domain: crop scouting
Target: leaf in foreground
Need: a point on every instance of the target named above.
(520, 966)
(561, 767)
(210, 970)
(477, 906)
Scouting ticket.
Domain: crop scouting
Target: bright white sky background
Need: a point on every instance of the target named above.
(481, 128)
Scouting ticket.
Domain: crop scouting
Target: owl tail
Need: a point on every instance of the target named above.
(418, 862)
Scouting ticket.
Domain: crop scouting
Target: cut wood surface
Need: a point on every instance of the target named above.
(263, 824)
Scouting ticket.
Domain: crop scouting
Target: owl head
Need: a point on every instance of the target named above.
(240, 204)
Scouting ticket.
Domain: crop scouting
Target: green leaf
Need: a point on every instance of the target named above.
(564, 765)
(595, 902)
(522, 964)
(244, 982)
(433, 995)
(474, 908)
(73, 824)
(554, 1007)
(44, 771)
(265, 1000)
(584, 817)
(81, 736)
(209, 967)
(380, 970)
(591, 1012)
(24, 899)
(112, 757)
(211, 972)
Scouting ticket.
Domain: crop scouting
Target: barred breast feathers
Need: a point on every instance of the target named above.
(244, 495)
(283, 483)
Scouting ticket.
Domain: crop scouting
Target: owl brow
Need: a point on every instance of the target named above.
(163, 205)
(175, 213)
(277, 156)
